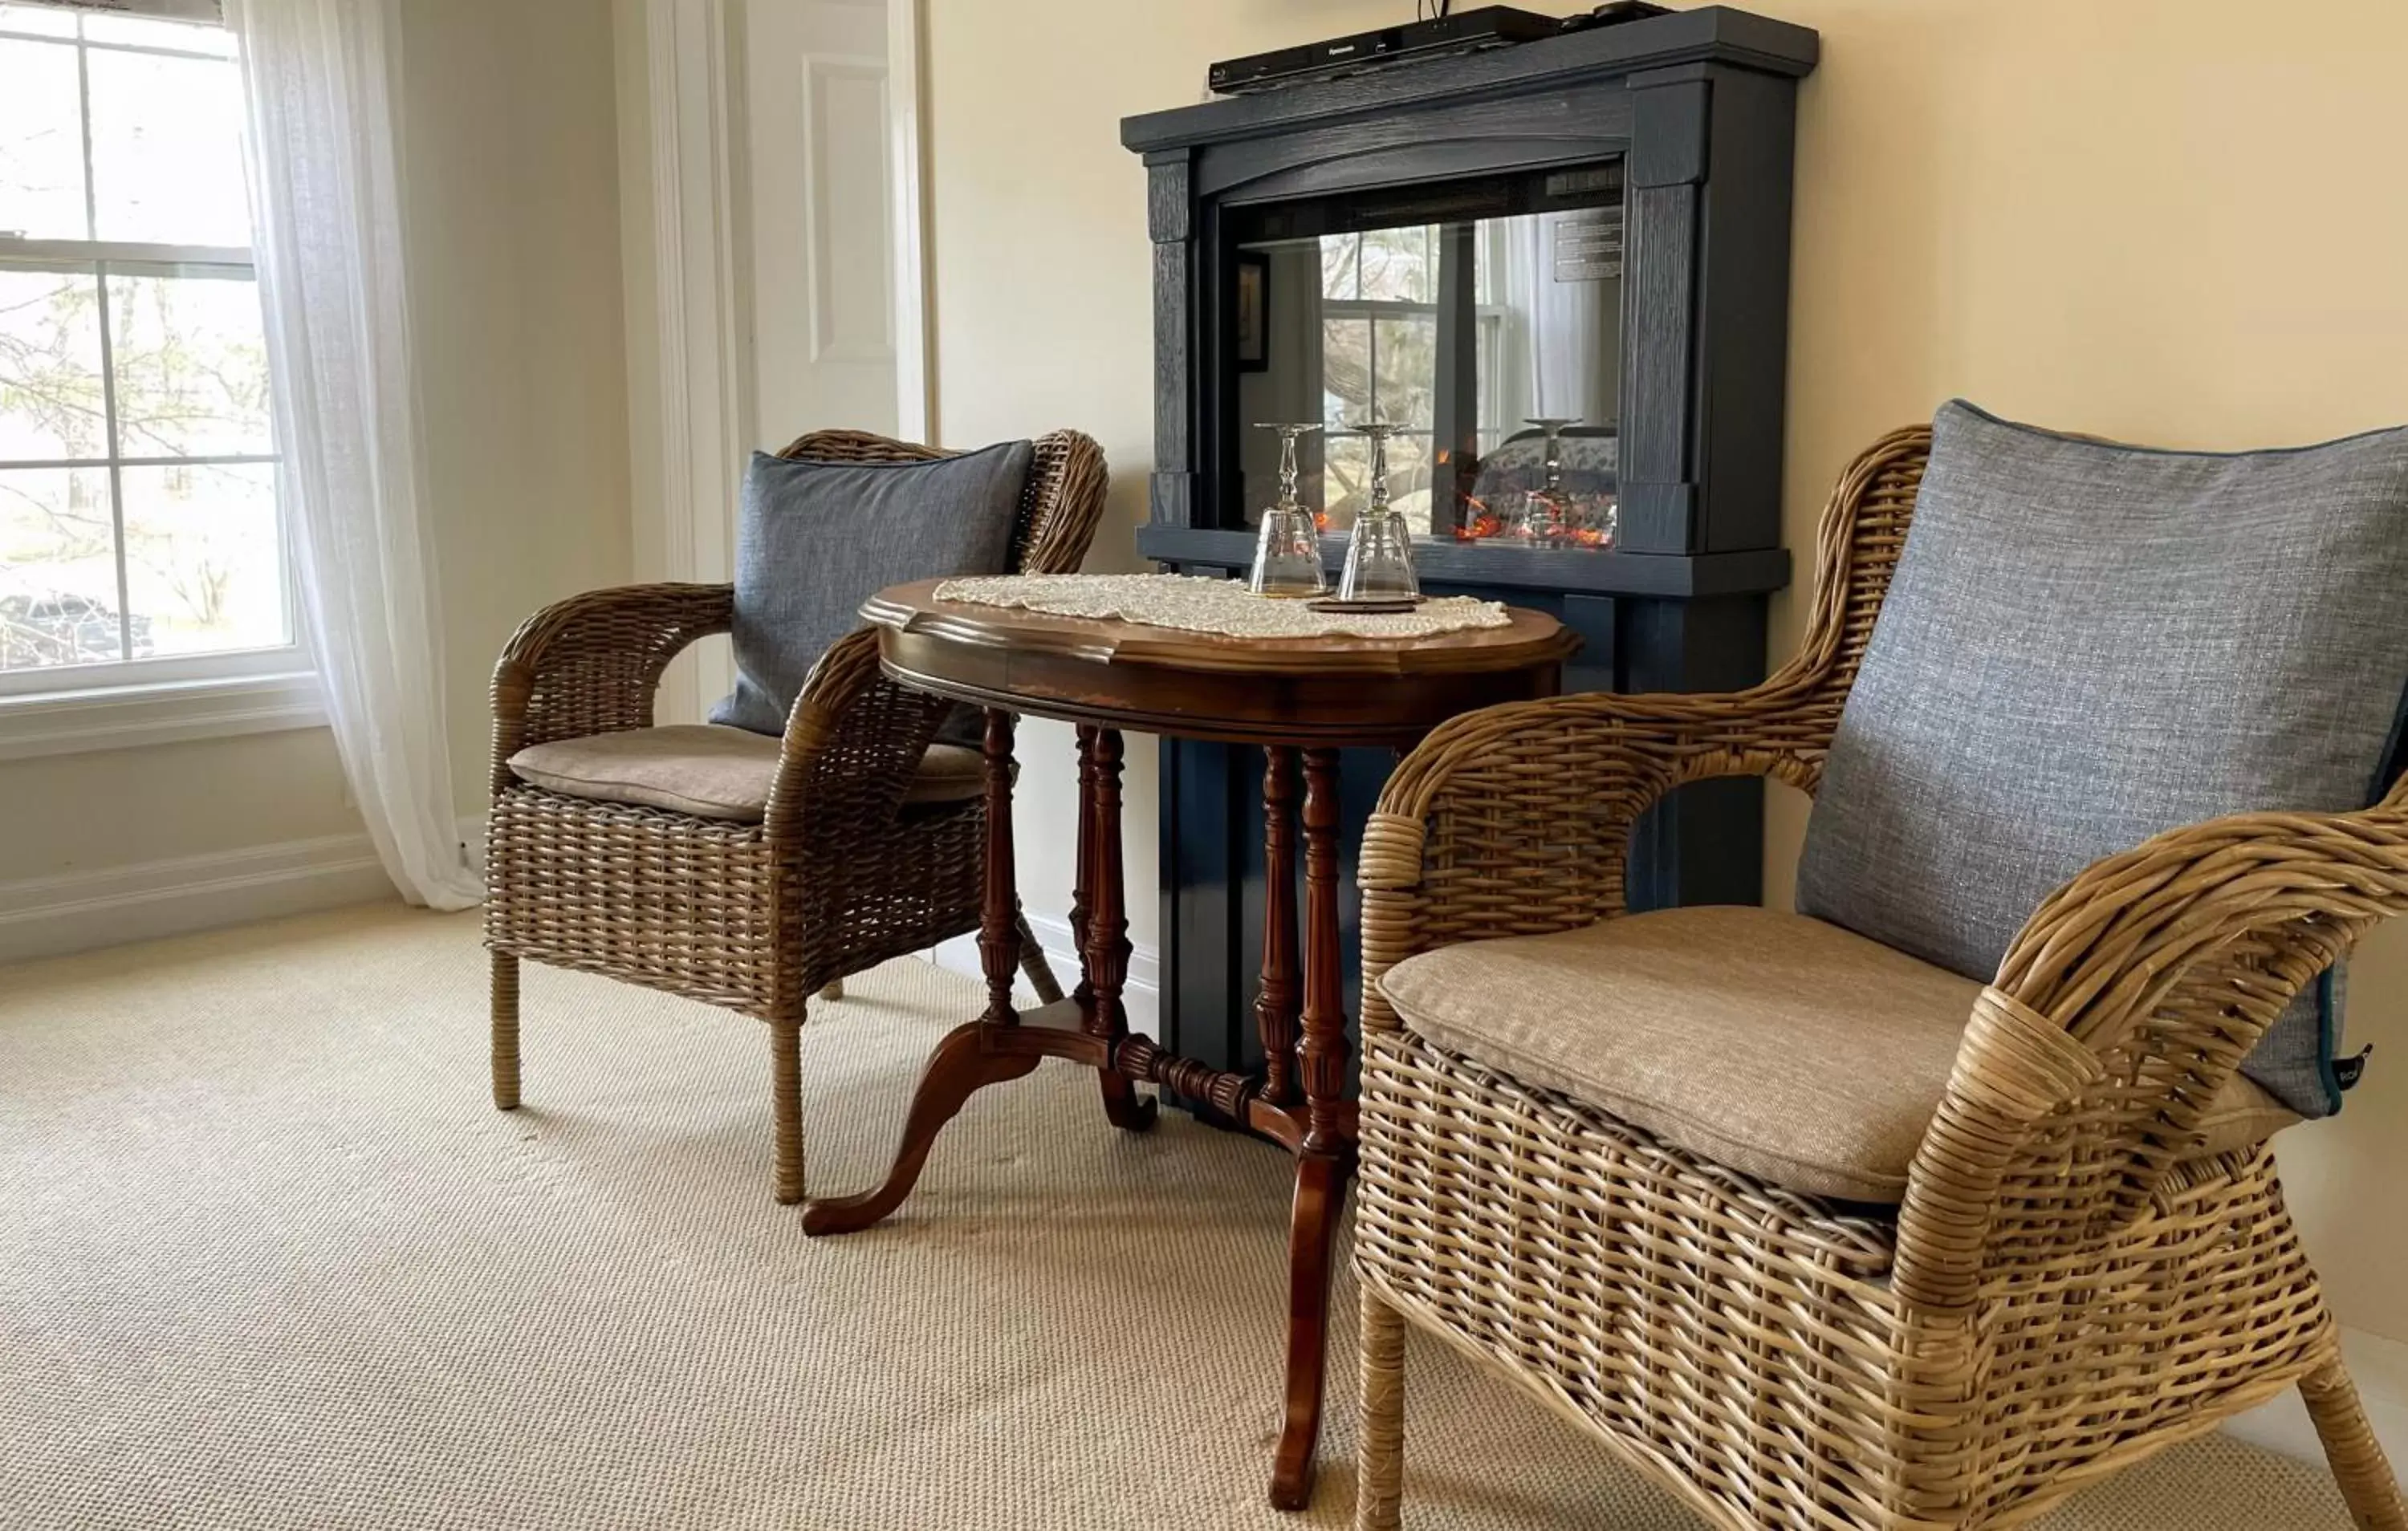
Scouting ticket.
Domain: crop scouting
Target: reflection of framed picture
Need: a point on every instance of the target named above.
(1253, 312)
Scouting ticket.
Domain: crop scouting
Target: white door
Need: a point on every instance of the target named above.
(818, 198)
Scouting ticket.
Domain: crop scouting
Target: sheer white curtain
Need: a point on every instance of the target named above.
(1567, 363)
(327, 195)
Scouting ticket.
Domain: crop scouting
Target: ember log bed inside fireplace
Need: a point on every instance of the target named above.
(1563, 267)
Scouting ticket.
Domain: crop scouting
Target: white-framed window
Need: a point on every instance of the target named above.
(142, 546)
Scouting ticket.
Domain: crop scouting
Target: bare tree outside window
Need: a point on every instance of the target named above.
(1379, 362)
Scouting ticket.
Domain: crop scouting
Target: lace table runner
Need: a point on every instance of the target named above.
(1196, 603)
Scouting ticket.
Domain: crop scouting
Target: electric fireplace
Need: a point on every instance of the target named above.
(1561, 271)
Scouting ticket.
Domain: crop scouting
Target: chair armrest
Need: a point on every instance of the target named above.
(2122, 1007)
(853, 745)
(1516, 820)
(590, 665)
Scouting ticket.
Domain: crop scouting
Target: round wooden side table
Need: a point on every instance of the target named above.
(1298, 698)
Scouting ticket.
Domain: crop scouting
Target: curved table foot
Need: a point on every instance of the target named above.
(962, 1066)
(1124, 1107)
(1313, 1232)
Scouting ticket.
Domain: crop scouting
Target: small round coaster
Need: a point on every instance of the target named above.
(1380, 606)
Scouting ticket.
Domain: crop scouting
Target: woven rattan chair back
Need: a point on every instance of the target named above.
(1058, 509)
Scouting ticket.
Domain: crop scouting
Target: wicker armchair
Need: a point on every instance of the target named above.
(2068, 1284)
(841, 874)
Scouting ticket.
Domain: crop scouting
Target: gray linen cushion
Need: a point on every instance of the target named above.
(1830, 1051)
(816, 539)
(708, 771)
(2085, 644)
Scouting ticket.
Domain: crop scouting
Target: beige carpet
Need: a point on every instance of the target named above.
(268, 1259)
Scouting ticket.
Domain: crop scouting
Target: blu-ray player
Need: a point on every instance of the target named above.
(1490, 27)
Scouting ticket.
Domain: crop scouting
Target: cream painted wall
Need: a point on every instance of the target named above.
(513, 186)
(1043, 282)
(66, 815)
(512, 222)
(2166, 219)
(640, 315)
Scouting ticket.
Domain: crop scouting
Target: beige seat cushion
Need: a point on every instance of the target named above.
(708, 771)
(1785, 1048)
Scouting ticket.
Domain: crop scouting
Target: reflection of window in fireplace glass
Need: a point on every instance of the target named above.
(1360, 323)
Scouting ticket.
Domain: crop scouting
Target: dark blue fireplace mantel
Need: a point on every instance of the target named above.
(1697, 107)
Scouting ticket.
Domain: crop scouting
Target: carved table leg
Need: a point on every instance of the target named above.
(999, 894)
(1312, 1234)
(1275, 1002)
(1106, 946)
(964, 1063)
(1327, 1155)
(1082, 874)
(961, 1067)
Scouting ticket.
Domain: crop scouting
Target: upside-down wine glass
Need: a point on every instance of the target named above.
(1380, 550)
(1287, 552)
(1548, 514)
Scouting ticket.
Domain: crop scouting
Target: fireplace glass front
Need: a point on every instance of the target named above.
(1484, 317)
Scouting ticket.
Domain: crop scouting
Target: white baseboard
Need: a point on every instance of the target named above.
(76, 912)
(1141, 998)
(2378, 1365)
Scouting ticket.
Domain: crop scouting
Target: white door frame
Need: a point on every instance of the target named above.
(915, 396)
(701, 301)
